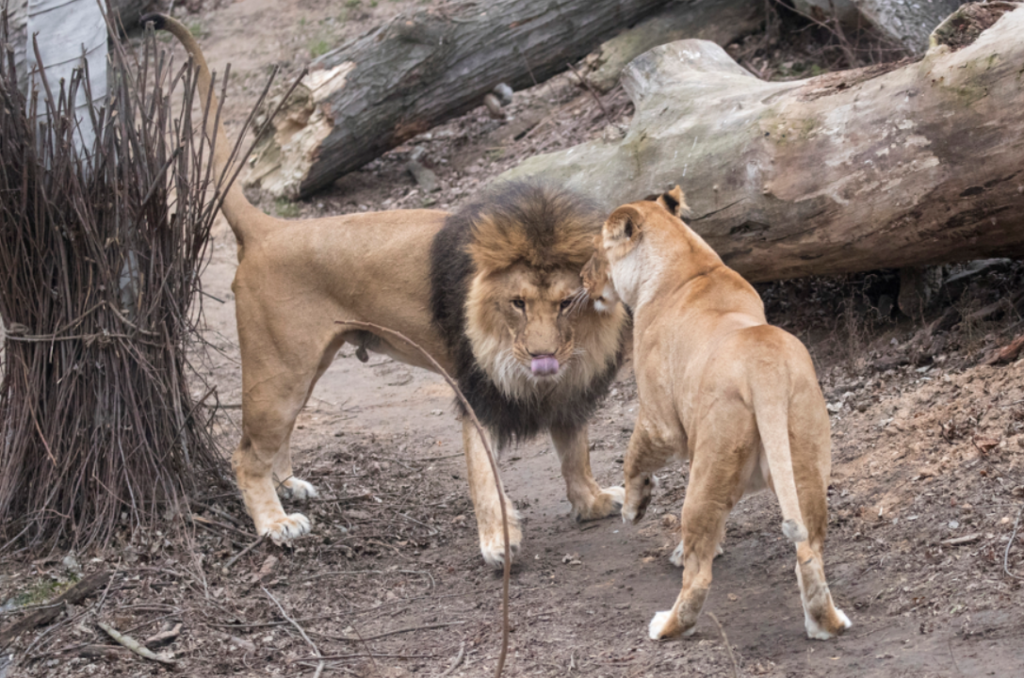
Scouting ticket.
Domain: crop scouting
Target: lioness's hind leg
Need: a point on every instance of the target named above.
(487, 502)
(589, 501)
(710, 496)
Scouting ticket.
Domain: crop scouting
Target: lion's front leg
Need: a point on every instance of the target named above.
(487, 501)
(589, 501)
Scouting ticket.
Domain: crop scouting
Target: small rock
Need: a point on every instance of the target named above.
(669, 520)
(572, 559)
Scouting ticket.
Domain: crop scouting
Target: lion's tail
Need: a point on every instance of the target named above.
(237, 209)
(771, 411)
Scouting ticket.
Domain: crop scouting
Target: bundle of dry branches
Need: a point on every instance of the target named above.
(103, 423)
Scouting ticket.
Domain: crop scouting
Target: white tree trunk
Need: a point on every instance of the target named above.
(69, 34)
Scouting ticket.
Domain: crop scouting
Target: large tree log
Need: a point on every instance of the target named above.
(839, 173)
(404, 77)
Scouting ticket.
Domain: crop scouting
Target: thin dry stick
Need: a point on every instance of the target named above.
(1009, 545)
(134, 645)
(458, 660)
(728, 648)
(590, 89)
(506, 575)
(234, 558)
(316, 652)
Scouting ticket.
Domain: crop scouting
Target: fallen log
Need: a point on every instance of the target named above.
(43, 615)
(844, 172)
(369, 95)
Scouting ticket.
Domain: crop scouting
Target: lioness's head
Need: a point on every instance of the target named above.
(614, 250)
(527, 250)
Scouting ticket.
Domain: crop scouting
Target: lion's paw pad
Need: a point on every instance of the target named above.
(284, 530)
(297, 490)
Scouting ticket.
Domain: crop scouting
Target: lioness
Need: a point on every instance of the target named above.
(722, 388)
(484, 291)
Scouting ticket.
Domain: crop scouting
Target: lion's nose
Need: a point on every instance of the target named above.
(543, 365)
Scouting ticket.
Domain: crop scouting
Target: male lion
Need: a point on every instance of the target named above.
(719, 386)
(484, 291)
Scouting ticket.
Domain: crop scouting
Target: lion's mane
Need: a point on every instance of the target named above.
(547, 229)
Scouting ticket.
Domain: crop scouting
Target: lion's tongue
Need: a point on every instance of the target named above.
(544, 365)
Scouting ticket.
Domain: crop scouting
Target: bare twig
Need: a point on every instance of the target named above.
(506, 575)
(428, 627)
(456, 662)
(302, 632)
(586, 84)
(134, 645)
(234, 558)
(728, 648)
(1009, 545)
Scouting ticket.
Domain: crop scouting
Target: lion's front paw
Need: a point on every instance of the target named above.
(284, 530)
(608, 502)
(492, 544)
(296, 490)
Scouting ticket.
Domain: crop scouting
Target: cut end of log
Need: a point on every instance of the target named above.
(285, 154)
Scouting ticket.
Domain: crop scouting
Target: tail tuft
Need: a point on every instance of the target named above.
(794, 531)
(155, 18)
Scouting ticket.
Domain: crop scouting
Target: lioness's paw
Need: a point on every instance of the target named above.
(284, 530)
(608, 502)
(656, 629)
(296, 490)
(677, 554)
(816, 631)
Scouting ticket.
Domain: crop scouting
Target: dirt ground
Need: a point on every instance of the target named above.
(927, 484)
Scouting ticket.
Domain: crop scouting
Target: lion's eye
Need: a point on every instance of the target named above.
(566, 303)
(647, 481)
(519, 303)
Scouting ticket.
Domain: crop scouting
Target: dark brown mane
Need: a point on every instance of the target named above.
(545, 228)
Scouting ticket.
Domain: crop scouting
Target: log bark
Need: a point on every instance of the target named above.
(721, 22)
(44, 615)
(845, 172)
(906, 22)
(370, 95)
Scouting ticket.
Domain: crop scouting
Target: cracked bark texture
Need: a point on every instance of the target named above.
(845, 172)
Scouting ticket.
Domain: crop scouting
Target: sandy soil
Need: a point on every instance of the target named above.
(928, 480)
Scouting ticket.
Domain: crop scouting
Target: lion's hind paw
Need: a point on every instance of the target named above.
(284, 530)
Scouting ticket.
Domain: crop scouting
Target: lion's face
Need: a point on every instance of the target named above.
(526, 331)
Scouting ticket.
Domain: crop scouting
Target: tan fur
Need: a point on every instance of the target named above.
(719, 386)
(295, 279)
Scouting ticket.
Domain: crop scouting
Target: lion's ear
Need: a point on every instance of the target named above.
(674, 201)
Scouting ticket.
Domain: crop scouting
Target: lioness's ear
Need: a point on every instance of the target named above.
(623, 224)
(674, 201)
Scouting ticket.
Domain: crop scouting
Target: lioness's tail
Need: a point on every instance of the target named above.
(240, 212)
(771, 411)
